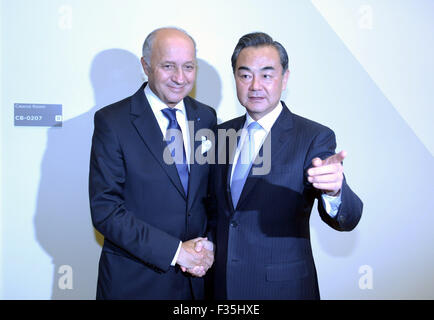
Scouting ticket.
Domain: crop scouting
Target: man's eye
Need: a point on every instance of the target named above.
(168, 66)
(267, 76)
(189, 67)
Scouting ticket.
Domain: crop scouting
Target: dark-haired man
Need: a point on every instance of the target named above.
(261, 222)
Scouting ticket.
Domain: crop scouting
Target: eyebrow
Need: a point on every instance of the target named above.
(262, 69)
(174, 62)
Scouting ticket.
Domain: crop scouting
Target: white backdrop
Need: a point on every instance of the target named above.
(362, 67)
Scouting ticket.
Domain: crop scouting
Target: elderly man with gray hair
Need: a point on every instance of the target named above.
(151, 212)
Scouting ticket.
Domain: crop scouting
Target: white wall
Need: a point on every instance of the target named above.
(364, 68)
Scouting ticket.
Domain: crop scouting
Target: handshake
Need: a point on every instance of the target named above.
(196, 256)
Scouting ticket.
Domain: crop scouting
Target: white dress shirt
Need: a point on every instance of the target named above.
(331, 203)
(181, 116)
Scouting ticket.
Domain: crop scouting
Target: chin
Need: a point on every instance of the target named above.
(176, 98)
(256, 109)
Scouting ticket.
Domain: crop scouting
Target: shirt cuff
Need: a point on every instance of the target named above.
(331, 204)
(175, 258)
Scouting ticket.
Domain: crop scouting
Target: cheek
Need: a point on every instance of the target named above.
(162, 77)
(242, 97)
(241, 91)
(191, 77)
(274, 90)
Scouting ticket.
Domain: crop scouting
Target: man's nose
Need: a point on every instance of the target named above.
(178, 76)
(255, 84)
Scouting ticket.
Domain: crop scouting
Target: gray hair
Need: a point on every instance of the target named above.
(147, 45)
(259, 39)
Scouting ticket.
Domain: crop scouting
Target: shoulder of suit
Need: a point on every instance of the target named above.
(115, 109)
(304, 124)
(202, 107)
(233, 123)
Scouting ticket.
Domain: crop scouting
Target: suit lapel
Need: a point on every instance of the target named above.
(279, 135)
(229, 158)
(194, 124)
(281, 131)
(146, 125)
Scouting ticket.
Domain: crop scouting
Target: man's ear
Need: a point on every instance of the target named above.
(285, 80)
(146, 67)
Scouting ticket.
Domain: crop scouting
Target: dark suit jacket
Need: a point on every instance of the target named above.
(138, 203)
(263, 248)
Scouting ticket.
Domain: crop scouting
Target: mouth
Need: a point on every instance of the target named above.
(256, 99)
(176, 89)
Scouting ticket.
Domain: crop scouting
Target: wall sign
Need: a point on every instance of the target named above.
(39, 115)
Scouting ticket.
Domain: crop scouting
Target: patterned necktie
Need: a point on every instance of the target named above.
(176, 146)
(244, 163)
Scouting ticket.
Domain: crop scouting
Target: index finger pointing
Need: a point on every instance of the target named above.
(336, 158)
(326, 169)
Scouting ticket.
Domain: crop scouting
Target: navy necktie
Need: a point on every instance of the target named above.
(244, 163)
(176, 146)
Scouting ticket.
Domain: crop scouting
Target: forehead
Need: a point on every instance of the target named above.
(259, 58)
(174, 46)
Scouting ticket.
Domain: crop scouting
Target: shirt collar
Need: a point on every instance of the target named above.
(268, 120)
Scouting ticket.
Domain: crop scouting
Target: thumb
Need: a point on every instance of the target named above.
(209, 246)
(198, 246)
(317, 162)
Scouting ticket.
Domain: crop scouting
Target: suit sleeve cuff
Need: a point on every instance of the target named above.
(331, 204)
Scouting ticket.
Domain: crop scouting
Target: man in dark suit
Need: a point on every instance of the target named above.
(265, 185)
(146, 191)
